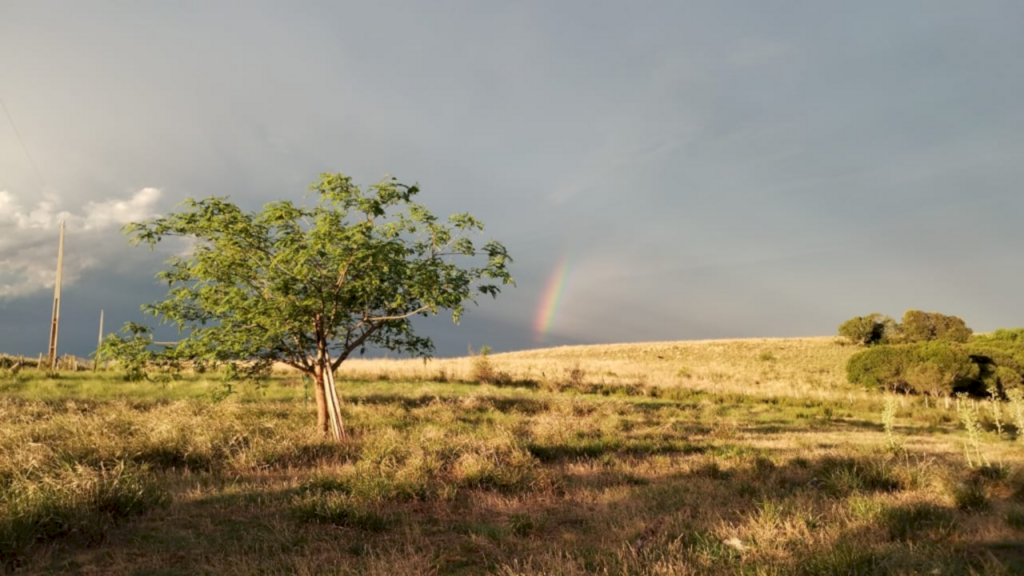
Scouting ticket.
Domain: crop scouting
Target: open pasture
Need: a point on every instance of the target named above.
(723, 457)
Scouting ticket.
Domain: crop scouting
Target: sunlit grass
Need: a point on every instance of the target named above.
(565, 474)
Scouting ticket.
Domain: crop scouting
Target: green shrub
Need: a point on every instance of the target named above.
(937, 368)
(920, 326)
(1001, 364)
(868, 330)
(1002, 335)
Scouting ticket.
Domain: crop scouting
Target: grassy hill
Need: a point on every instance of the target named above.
(718, 457)
(787, 366)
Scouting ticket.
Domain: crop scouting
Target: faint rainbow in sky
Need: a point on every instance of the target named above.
(551, 300)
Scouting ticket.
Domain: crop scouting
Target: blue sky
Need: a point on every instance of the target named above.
(711, 169)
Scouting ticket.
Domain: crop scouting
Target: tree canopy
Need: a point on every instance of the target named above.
(310, 285)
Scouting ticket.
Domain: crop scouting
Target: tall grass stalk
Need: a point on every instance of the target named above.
(889, 421)
(997, 416)
(967, 409)
(1016, 397)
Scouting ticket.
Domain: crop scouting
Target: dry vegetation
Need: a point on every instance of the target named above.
(750, 457)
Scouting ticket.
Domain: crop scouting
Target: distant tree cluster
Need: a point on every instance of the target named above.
(917, 326)
(935, 354)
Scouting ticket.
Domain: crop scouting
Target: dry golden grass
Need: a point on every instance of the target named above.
(721, 457)
(814, 367)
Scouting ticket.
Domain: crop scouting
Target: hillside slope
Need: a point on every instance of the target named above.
(790, 366)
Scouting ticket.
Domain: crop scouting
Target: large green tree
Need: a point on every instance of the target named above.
(308, 285)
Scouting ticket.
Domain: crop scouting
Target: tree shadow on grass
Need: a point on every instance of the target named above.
(500, 403)
(673, 517)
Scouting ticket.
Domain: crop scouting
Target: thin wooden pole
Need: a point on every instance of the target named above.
(55, 324)
(99, 342)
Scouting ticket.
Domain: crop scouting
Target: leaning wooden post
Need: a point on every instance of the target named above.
(99, 342)
(55, 323)
(333, 403)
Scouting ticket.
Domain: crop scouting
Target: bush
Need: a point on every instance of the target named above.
(1003, 335)
(936, 368)
(929, 326)
(484, 371)
(1001, 363)
(868, 330)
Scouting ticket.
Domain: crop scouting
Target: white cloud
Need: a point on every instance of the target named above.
(28, 238)
(100, 215)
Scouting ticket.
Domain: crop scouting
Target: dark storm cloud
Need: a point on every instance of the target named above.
(713, 168)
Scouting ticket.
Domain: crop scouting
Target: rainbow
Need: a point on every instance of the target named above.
(551, 300)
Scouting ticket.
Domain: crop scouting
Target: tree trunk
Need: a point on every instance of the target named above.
(328, 409)
(321, 403)
(337, 427)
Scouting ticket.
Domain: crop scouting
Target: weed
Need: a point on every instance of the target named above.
(994, 408)
(889, 421)
(1015, 519)
(521, 524)
(843, 476)
(911, 522)
(574, 376)
(845, 558)
(340, 510)
(970, 495)
(484, 371)
(967, 409)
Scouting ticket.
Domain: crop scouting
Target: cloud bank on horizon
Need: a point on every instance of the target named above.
(715, 169)
(29, 238)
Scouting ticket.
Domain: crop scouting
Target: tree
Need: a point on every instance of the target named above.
(928, 326)
(868, 330)
(308, 286)
(134, 353)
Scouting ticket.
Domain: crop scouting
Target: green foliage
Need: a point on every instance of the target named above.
(920, 326)
(936, 368)
(308, 286)
(1002, 335)
(134, 352)
(1001, 363)
(868, 330)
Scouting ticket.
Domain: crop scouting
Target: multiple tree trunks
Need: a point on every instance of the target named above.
(328, 405)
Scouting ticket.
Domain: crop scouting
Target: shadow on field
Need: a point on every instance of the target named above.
(607, 511)
(500, 403)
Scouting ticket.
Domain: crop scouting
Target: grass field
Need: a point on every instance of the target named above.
(721, 457)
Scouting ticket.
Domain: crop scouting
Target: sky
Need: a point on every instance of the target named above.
(658, 170)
